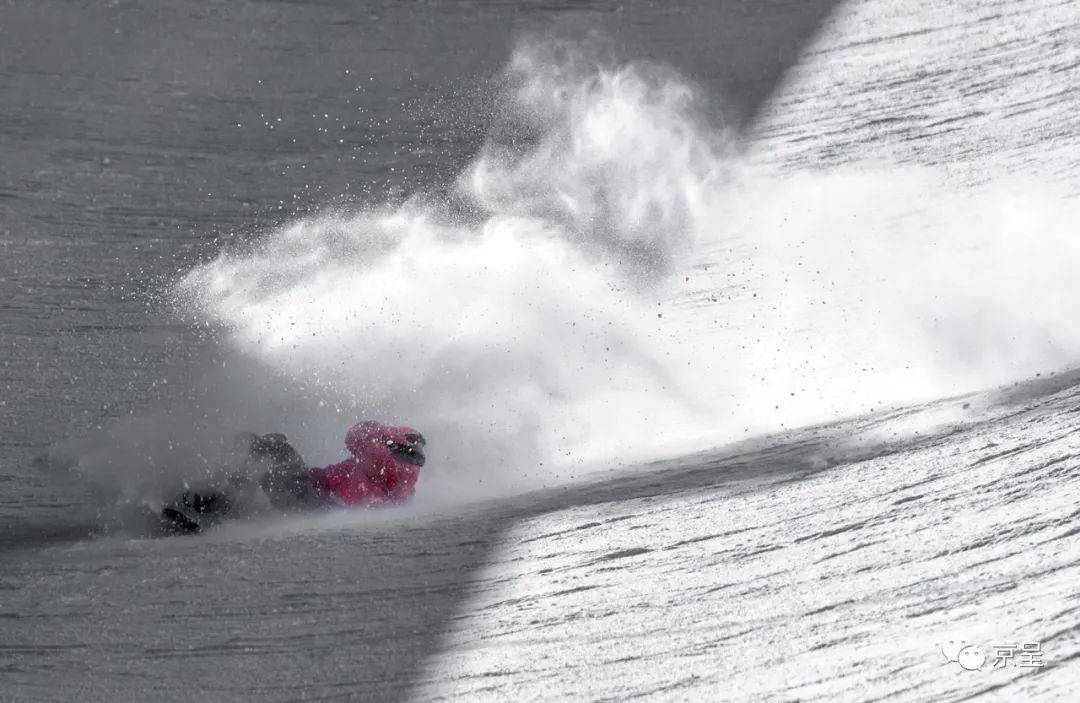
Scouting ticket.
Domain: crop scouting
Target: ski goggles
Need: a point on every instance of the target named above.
(410, 453)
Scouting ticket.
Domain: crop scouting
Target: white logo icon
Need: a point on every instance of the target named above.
(968, 656)
(951, 649)
(971, 658)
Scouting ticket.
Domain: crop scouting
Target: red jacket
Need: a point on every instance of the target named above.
(383, 469)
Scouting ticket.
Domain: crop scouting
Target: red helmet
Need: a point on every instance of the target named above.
(375, 440)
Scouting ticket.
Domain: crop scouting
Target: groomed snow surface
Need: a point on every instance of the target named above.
(827, 564)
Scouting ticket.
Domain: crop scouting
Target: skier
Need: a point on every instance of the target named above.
(382, 470)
